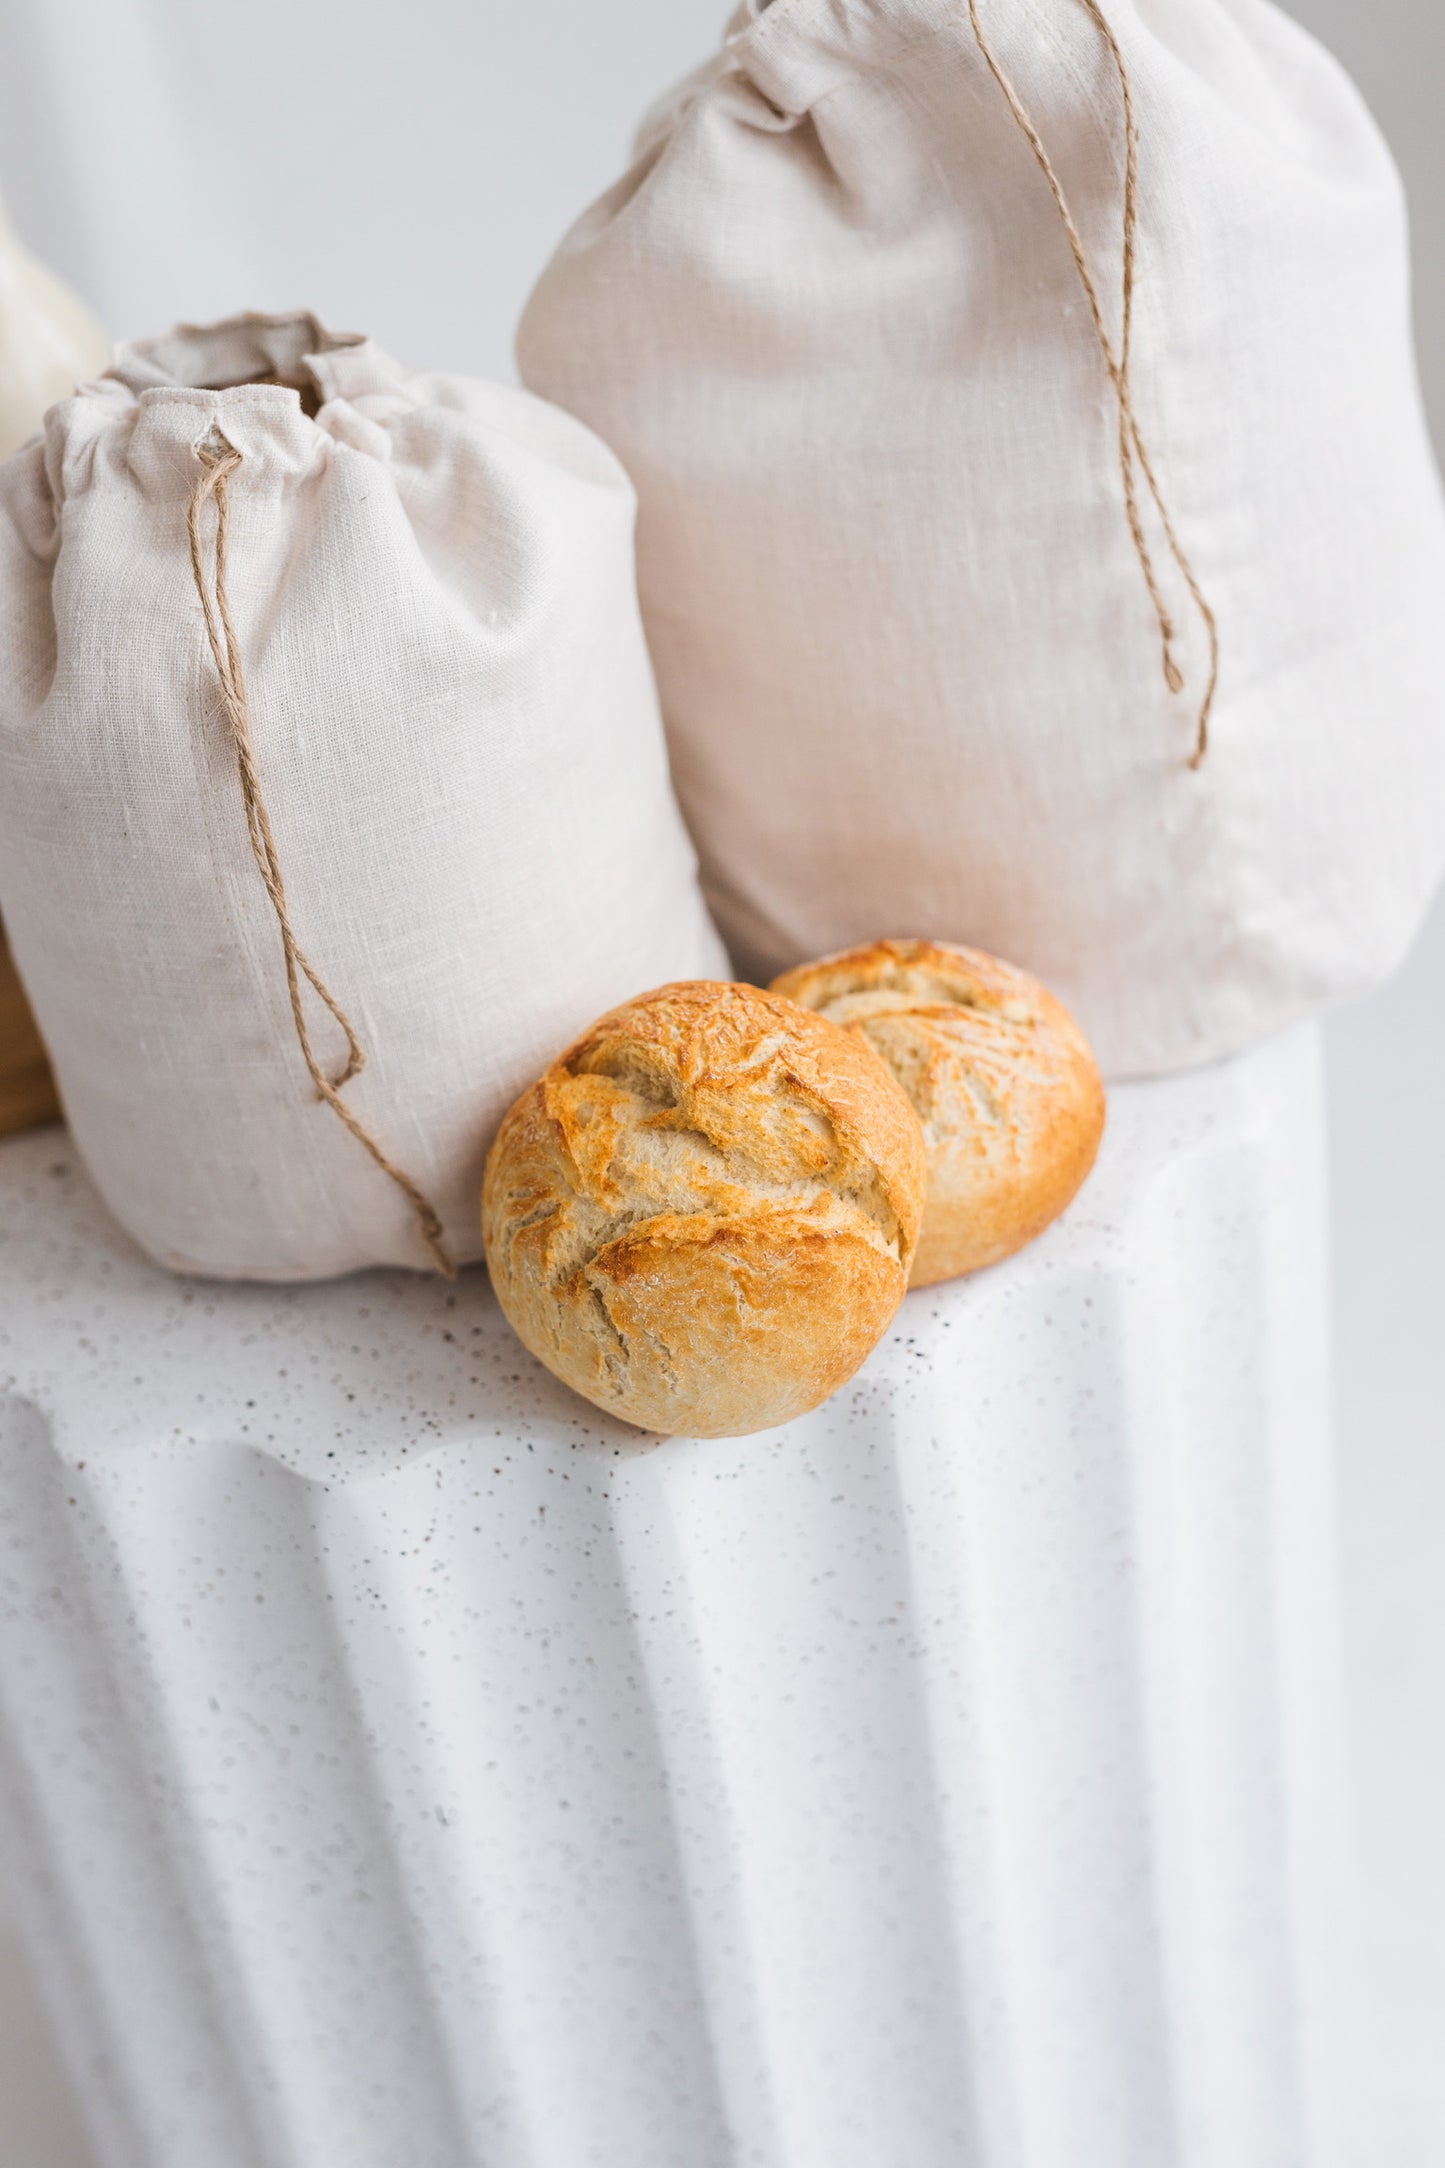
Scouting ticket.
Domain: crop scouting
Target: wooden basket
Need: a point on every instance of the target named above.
(27, 1089)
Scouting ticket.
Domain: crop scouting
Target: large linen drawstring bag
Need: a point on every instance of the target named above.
(1038, 539)
(333, 797)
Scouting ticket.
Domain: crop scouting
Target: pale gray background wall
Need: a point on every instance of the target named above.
(406, 171)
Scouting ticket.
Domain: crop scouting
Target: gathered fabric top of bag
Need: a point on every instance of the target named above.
(333, 796)
(1034, 488)
(291, 391)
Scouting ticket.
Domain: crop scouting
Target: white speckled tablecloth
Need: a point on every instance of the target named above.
(401, 1766)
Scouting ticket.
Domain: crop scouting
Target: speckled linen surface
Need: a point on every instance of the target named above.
(399, 1761)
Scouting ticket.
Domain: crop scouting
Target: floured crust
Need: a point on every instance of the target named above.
(999, 1074)
(702, 1216)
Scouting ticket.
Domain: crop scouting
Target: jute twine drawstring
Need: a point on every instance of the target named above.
(1132, 447)
(219, 461)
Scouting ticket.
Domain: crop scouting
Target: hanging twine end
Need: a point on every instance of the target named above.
(1206, 709)
(1201, 738)
(1173, 675)
(441, 1256)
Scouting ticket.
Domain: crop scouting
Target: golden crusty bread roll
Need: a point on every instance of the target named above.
(999, 1074)
(702, 1216)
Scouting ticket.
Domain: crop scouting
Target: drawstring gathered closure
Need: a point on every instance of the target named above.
(219, 461)
(1133, 453)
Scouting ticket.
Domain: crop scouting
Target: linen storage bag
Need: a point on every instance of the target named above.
(327, 735)
(48, 342)
(903, 497)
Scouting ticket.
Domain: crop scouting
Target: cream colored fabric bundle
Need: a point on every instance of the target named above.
(456, 735)
(49, 340)
(832, 324)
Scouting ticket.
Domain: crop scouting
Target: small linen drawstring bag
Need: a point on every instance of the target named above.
(333, 797)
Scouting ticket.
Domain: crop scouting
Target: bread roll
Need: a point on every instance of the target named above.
(999, 1074)
(702, 1216)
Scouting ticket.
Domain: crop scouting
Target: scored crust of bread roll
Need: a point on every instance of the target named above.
(999, 1074)
(702, 1216)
